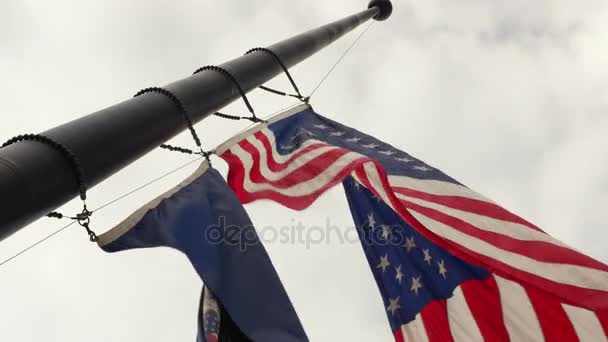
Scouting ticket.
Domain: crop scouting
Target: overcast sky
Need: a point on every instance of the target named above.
(509, 97)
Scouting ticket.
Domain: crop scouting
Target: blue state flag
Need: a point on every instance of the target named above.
(202, 218)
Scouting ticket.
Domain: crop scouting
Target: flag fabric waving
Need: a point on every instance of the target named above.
(203, 218)
(430, 295)
(508, 280)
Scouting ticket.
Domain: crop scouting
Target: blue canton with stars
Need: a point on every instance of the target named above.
(410, 270)
(292, 132)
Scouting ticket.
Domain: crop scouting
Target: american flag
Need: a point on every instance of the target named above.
(502, 278)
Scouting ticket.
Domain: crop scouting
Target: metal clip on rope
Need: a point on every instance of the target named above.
(84, 219)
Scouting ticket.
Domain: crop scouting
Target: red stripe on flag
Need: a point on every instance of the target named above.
(276, 166)
(538, 250)
(236, 176)
(483, 299)
(362, 176)
(602, 316)
(382, 176)
(435, 319)
(553, 319)
(468, 204)
(302, 174)
(399, 336)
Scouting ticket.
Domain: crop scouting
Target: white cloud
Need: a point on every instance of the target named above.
(508, 97)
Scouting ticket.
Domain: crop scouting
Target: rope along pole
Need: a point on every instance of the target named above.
(341, 58)
(36, 244)
(56, 232)
(148, 184)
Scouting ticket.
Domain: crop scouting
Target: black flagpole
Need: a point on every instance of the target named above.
(35, 178)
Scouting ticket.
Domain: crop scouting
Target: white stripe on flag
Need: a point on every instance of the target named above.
(586, 324)
(561, 273)
(295, 164)
(436, 187)
(300, 189)
(280, 158)
(510, 229)
(462, 323)
(356, 178)
(415, 330)
(226, 145)
(374, 178)
(519, 315)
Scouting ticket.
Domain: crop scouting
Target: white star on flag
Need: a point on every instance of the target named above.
(393, 305)
(321, 126)
(404, 159)
(353, 139)
(387, 153)
(302, 131)
(386, 232)
(305, 131)
(336, 134)
(442, 269)
(416, 284)
(409, 243)
(384, 264)
(399, 275)
(427, 256)
(370, 146)
(371, 220)
(422, 168)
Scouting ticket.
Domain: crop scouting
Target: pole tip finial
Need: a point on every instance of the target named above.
(385, 6)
